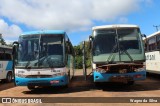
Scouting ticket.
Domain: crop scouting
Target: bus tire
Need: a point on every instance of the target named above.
(31, 87)
(66, 86)
(96, 84)
(68, 80)
(147, 73)
(8, 77)
(130, 82)
(68, 76)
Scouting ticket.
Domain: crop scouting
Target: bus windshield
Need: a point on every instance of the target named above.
(122, 44)
(43, 51)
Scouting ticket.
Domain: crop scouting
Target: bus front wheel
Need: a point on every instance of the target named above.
(68, 80)
(8, 77)
(130, 82)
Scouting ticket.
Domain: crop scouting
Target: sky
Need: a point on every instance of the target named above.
(76, 17)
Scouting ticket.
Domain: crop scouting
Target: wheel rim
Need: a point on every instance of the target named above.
(9, 78)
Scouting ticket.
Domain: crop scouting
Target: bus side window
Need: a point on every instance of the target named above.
(8, 57)
(145, 43)
(152, 44)
(1, 56)
(158, 42)
(5, 56)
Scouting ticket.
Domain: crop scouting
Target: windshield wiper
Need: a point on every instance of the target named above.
(123, 50)
(112, 54)
(50, 63)
(28, 63)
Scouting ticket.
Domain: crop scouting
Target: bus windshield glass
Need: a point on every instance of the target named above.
(40, 51)
(122, 44)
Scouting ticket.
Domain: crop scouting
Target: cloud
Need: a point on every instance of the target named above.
(123, 20)
(69, 15)
(9, 32)
(65, 14)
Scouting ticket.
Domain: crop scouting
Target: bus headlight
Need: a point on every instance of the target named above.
(101, 70)
(139, 69)
(59, 74)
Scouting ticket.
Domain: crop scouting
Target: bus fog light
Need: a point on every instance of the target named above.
(62, 74)
(97, 76)
(21, 75)
(138, 76)
(101, 70)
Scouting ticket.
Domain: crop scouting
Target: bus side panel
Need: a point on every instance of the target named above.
(71, 65)
(153, 62)
(1, 70)
(9, 65)
(5, 67)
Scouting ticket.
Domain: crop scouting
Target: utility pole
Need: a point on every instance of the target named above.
(156, 26)
(84, 62)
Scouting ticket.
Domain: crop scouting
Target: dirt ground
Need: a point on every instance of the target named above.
(78, 87)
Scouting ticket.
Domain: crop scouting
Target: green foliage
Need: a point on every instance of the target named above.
(88, 54)
(78, 60)
(79, 54)
(2, 41)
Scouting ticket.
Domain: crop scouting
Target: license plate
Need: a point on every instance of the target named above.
(118, 79)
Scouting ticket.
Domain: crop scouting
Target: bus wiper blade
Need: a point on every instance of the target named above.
(123, 50)
(112, 54)
(50, 63)
(28, 63)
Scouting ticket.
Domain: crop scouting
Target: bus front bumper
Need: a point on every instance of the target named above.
(114, 77)
(55, 81)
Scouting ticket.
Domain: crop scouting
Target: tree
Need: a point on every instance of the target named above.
(2, 41)
(88, 54)
(79, 54)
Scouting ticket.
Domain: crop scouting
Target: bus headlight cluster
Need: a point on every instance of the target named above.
(21, 75)
(101, 70)
(59, 74)
(139, 69)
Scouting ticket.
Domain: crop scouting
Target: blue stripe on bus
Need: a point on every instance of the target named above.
(9, 65)
(103, 77)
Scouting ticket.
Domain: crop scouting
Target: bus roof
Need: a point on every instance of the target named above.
(5, 47)
(44, 32)
(115, 26)
(156, 33)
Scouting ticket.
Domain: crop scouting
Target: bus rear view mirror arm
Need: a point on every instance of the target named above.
(143, 35)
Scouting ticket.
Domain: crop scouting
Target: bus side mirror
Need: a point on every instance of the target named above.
(15, 43)
(143, 35)
(15, 46)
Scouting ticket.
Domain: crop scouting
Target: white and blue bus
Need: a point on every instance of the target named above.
(43, 58)
(152, 43)
(117, 54)
(6, 69)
